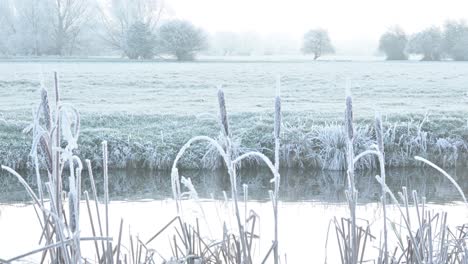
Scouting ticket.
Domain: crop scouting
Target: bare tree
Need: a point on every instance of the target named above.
(32, 16)
(34, 25)
(7, 26)
(69, 18)
(317, 42)
(120, 15)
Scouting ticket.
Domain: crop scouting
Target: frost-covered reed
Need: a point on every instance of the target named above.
(61, 242)
(232, 163)
(353, 239)
(351, 192)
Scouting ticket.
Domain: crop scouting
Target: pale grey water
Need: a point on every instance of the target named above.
(296, 185)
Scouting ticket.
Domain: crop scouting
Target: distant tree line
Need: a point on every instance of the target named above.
(138, 29)
(432, 43)
(62, 27)
(36, 27)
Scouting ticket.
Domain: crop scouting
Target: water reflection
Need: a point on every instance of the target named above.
(296, 185)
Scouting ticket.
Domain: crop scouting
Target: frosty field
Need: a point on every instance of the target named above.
(394, 88)
(146, 110)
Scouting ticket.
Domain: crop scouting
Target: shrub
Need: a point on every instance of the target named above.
(181, 39)
(393, 44)
(139, 42)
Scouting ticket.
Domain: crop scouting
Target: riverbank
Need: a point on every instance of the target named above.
(152, 141)
(147, 111)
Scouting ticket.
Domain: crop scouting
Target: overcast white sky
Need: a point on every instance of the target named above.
(354, 26)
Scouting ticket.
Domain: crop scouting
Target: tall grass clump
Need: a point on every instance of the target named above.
(232, 163)
(430, 241)
(55, 131)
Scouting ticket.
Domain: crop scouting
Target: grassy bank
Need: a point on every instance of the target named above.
(152, 141)
(146, 111)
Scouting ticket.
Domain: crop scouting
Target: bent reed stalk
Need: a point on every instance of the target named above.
(419, 249)
(232, 163)
(380, 153)
(61, 235)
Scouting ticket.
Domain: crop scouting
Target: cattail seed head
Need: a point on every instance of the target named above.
(223, 113)
(378, 132)
(104, 154)
(45, 149)
(246, 191)
(72, 211)
(105, 171)
(175, 182)
(349, 117)
(277, 116)
(46, 109)
(56, 85)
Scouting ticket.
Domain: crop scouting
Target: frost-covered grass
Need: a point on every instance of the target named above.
(147, 110)
(152, 141)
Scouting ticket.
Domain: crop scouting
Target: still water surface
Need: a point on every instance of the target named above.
(296, 185)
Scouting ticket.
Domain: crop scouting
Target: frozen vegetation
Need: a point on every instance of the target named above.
(402, 228)
(146, 111)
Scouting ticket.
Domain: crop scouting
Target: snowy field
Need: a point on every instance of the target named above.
(394, 88)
